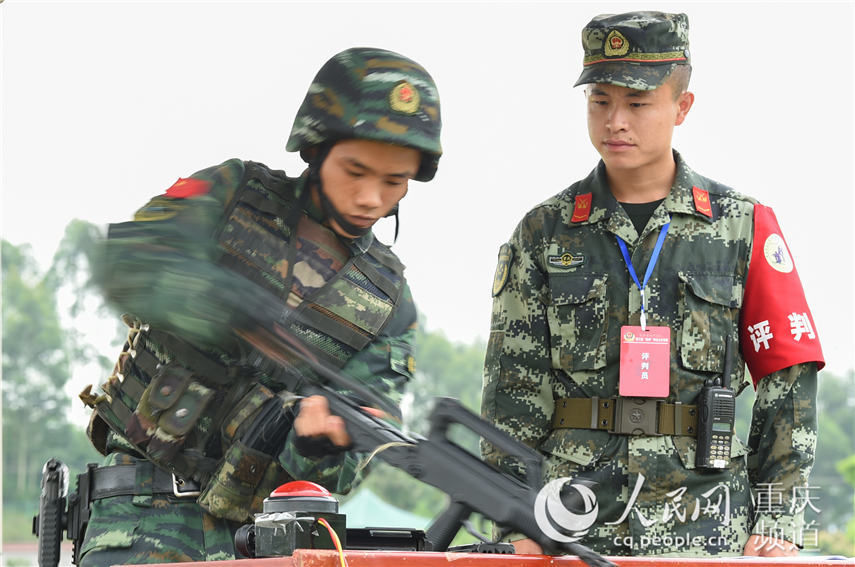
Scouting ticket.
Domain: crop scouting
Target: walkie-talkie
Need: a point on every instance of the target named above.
(716, 412)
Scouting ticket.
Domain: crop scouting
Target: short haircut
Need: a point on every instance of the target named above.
(679, 79)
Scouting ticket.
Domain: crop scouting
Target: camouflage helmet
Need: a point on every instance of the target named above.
(372, 94)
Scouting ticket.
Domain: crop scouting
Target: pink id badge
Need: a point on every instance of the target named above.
(645, 361)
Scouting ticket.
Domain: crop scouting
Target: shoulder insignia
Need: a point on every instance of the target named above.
(702, 201)
(187, 188)
(506, 255)
(158, 209)
(581, 208)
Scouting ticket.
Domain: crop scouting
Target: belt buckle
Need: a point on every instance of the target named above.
(637, 416)
(177, 483)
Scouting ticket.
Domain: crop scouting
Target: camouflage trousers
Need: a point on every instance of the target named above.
(153, 528)
(649, 497)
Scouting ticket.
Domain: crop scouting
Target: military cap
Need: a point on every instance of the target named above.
(637, 50)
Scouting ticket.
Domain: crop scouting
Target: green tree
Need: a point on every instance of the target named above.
(443, 369)
(836, 417)
(830, 496)
(41, 348)
(35, 369)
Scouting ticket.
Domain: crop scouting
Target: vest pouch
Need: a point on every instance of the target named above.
(244, 412)
(176, 422)
(167, 385)
(141, 424)
(232, 489)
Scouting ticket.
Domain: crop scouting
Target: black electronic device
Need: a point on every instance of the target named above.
(716, 414)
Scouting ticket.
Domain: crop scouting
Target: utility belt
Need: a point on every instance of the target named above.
(626, 416)
(133, 480)
(141, 480)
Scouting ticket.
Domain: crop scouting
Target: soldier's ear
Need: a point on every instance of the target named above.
(684, 104)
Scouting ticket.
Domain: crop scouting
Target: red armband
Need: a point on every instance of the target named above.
(776, 329)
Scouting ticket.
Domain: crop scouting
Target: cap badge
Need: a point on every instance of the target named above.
(404, 98)
(616, 44)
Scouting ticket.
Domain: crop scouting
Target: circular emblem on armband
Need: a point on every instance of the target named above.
(777, 255)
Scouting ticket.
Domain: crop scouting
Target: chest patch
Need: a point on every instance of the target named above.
(565, 260)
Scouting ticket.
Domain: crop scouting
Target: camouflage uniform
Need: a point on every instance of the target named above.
(562, 293)
(233, 240)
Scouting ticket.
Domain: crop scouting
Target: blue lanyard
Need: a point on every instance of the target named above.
(642, 285)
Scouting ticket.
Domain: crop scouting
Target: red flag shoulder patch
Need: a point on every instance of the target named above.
(776, 328)
(187, 188)
(581, 208)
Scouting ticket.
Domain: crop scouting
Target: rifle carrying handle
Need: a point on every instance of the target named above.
(449, 411)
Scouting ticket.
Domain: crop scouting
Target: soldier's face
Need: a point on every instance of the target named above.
(632, 129)
(365, 179)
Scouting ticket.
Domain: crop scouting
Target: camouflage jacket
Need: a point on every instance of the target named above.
(174, 268)
(561, 295)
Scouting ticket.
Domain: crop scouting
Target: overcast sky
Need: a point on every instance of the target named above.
(107, 104)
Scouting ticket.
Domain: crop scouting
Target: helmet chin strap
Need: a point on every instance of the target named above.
(329, 210)
(332, 213)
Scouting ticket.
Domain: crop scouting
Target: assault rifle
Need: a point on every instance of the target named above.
(472, 484)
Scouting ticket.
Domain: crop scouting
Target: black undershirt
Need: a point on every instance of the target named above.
(640, 213)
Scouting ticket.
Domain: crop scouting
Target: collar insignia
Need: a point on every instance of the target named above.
(581, 208)
(702, 201)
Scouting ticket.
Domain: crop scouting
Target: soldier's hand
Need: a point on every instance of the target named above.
(763, 546)
(315, 420)
(527, 547)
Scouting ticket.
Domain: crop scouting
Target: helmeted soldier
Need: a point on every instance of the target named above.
(613, 304)
(180, 417)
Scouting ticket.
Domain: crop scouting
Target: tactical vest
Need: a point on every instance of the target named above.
(186, 409)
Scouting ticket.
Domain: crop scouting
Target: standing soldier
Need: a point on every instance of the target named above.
(185, 421)
(614, 305)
